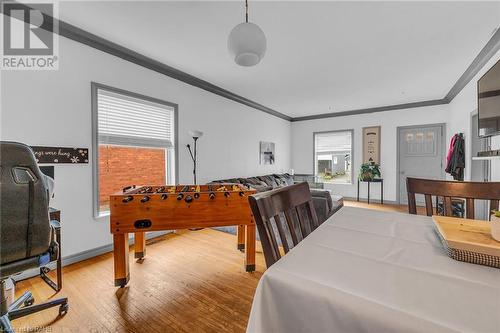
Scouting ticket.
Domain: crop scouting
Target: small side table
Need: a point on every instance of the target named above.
(376, 180)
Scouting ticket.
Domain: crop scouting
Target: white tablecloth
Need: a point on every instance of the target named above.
(372, 271)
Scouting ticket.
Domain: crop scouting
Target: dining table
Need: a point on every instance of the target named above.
(375, 271)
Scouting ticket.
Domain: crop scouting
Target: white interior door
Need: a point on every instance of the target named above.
(421, 155)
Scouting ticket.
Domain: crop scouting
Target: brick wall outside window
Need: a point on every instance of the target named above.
(123, 166)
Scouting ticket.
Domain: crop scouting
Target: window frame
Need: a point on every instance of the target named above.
(315, 172)
(95, 139)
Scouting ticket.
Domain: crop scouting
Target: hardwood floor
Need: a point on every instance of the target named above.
(191, 281)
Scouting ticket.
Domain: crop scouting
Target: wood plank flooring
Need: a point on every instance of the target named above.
(191, 281)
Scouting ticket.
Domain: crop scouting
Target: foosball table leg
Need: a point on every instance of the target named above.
(139, 245)
(120, 257)
(241, 238)
(250, 248)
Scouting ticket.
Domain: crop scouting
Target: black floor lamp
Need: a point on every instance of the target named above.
(196, 135)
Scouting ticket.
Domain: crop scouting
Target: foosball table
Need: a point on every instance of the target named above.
(153, 208)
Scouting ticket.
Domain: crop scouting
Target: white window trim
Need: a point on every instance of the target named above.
(315, 171)
(171, 171)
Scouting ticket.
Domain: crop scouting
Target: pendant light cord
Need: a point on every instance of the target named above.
(246, 11)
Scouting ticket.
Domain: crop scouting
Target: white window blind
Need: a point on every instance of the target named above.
(333, 141)
(130, 121)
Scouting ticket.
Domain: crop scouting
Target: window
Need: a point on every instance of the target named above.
(134, 142)
(333, 156)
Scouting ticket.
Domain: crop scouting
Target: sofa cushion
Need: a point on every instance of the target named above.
(255, 183)
(280, 180)
(261, 187)
(283, 179)
(269, 180)
(289, 179)
(229, 181)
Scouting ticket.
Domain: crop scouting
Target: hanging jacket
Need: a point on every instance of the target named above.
(450, 150)
(456, 162)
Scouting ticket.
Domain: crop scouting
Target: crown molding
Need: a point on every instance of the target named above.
(486, 53)
(84, 37)
(372, 110)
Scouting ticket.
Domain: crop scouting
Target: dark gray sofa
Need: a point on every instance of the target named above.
(324, 202)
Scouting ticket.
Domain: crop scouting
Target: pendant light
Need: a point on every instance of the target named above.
(247, 42)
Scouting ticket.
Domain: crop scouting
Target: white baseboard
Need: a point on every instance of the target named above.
(84, 255)
(377, 201)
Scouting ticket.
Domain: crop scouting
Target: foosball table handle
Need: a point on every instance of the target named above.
(125, 189)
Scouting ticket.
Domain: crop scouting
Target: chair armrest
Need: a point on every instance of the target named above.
(321, 208)
(325, 194)
(319, 192)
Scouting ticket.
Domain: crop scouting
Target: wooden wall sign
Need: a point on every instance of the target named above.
(371, 144)
(60, 155)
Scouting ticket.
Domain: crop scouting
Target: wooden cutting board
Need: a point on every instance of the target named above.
(467, 235)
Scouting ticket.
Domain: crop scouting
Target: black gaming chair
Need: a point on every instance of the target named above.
(27, 237)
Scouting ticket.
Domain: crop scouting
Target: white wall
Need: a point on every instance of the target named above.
(460, 117)
(456, 115)
(302, 143)
(53, 108)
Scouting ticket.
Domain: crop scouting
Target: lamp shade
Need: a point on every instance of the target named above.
(195, 134)
(247, 44)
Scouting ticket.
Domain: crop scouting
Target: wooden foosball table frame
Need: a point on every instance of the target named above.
(156, 208)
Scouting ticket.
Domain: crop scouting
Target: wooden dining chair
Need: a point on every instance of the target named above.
(451, 189)
(286, 214)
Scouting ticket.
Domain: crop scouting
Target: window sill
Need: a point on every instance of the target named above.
(335, 183)
(102, 216)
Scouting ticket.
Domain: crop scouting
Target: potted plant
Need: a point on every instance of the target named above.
(369, 171)
(495, 225)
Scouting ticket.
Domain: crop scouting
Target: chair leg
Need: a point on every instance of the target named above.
(26, 299)
(5, 325)
(61, 302)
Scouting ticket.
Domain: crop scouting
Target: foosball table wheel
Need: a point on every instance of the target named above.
(164, 196)
(227, 194)
(180, 196)
(211, 195)
(197, 195)
(145, 199)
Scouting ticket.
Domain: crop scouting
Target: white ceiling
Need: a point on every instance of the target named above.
(322, 56)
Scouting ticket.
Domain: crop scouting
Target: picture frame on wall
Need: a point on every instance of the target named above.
(371, 144)
(267, 151)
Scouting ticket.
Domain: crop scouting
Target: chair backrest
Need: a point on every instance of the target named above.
(286, 214)
(451, 189)
(24, 204)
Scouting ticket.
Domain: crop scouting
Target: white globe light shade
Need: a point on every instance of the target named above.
(195, 134)
(247, 44)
